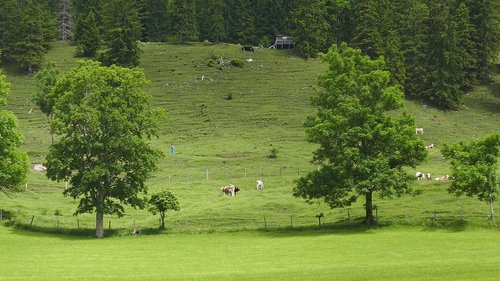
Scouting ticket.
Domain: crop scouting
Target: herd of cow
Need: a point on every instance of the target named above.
(233, 189)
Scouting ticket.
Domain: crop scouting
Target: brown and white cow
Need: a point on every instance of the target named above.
(230, 189)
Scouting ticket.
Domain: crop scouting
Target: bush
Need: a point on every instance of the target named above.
(237, 63)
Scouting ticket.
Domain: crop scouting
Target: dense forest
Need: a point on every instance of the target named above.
(435, 49)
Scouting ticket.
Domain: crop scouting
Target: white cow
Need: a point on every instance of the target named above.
(260, 184)
(421, 176)
(430, 146)
(419, 131)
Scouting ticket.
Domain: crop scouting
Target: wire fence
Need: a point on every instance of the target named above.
(408, 216)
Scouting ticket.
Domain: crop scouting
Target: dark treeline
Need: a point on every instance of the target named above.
(435, 49)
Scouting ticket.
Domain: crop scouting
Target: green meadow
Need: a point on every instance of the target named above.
(396, 254)
(226, 124)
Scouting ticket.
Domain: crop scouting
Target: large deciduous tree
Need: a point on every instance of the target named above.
(13, 162)
(474, 169)
(103, 122)
(362, 147)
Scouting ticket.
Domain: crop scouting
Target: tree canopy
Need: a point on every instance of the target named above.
(474, 169)
(103, 122)
(362, 148)
(13, 161)
(162, 201)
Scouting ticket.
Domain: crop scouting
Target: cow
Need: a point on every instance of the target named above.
(421, 176)
(419, 131)
(430, 146)
(443, 178)
(260, 184)
(230, 189)
(39, 167)
(248, 49)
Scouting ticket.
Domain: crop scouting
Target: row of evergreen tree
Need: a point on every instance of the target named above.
(435, 49)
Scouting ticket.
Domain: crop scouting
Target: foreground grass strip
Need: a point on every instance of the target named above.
(408, 254)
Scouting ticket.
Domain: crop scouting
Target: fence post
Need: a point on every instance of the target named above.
(245, 172)
(57, 225)
(434, 216)
(291, 221)
(109, 225)
(207, 174)
(462, 212)
(32, 218)
(78, 223)
(348, 214)
(26, 186)
(406, 215)
(265, 223)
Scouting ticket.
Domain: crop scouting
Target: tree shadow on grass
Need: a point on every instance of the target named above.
(73, 234)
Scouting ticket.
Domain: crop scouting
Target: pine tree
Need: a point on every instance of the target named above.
(211, 20)
(35, 29)
(341, 18)
(122, 22)
(311, 27)
(154, 20)
(485, 15)
(9, 11)
(466, 46)
(442, 85)
(414, 43)
(65, 33)
(270, 20)
(184, 21)
(244, 22)
(88, 36)
(368, 36)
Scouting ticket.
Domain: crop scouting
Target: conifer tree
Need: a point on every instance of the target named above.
(211, 20)
(311, 27)
(485, 16)
(88, 41)
(154, 20)
(442, 85)
(244, 22)
(35, 29)
(122, 23)
(184, 21)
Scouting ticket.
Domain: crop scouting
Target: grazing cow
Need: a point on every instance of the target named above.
(260, 184)
(430, 146)
(419, 131)
(248, 49)
(39, 167)
(421, 176)
(443, 178)
(230, 189)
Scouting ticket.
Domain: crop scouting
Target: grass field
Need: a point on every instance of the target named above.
(396, 254)
(224, 123)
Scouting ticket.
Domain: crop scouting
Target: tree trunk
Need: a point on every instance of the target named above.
(99, 224)
(492, 211)
(162, 216)
(369, 219)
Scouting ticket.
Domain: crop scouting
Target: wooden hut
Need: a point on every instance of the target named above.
(283, 42)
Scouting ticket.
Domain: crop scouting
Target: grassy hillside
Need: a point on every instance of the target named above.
(224, 123)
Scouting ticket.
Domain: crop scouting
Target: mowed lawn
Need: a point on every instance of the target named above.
(382, 254)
